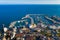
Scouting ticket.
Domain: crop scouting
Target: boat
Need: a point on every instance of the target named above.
(34, 30)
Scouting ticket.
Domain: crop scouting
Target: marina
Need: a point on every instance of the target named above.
(28, 28)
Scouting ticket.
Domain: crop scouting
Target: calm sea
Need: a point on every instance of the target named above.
(9, 13)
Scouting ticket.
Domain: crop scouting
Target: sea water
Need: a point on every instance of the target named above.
(10, 13)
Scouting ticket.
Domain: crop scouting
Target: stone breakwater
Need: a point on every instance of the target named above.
(33, 27)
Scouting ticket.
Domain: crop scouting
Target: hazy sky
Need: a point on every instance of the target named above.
(29, 1)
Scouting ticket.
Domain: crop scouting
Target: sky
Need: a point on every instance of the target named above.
(29, 1)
